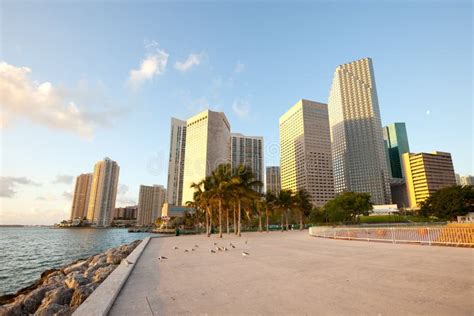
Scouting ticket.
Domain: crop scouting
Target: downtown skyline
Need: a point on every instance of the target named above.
(133, 127)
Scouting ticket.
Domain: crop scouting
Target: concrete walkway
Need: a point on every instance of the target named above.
(295, 274)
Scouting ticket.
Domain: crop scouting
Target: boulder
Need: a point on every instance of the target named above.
(53, 309)
(75, 279)
(61, 296)
(12, 309)
(98, 259)
(102, 273)
(32, 300)
(114, 258)
(78, 266)
(81, 294)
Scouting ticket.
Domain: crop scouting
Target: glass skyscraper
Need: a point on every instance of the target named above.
(395, 136)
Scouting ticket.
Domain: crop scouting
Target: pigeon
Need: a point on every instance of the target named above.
(186, 250)
(246, 241)
(225, 249)
(213, 251)
(127, 263)
(175, 247)
(215, 244)
(232, 245)
(218, 248)
(192, 249)
(244, 254)
(196, 246)
(162, 258)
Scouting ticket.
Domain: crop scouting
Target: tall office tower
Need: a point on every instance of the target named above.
(150, 202)
(273, 180)
(207, 146)
(425, 173)
(466, 180)
(358, 153)
(80, 200)
(103, 192)
(458, 179)
(248, 151)
(395, 136)
(176, 162)
(305, 151)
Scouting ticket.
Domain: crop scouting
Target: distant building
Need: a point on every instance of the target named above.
(466, 180)
(127, 212)
(305, 151)
(458, 179)
(176, 162)
(386, 209)
(169, 211)
(80, 200)
(103, 193)
(398, 190)
(395, 135)
(358, 155)
(150, 202)
(468, 218)
(247, 151)
(425, 173)
(207, 146)
(273, 180)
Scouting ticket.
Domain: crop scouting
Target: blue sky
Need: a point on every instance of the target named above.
(85, 93)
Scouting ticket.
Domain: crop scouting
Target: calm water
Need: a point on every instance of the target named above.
(25, 252)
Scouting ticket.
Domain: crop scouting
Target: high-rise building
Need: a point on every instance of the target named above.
(395, 135)
(207, 146)
(150, 202)
(458, 179)
(103, 192)
(176, 162)
(466, 180)
(425, 173)
(358, 154)
(126, 212)
(80, 200)
(248, 151)
(305, 151)
(273, 180)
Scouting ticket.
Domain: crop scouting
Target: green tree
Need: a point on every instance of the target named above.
(269, 204)
(347, 207)
(302, 204)
(284, 202)
(450, 202)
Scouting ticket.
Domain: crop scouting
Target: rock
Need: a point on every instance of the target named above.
(61, 296)
(48, 272)
(78, 266)
(102, 273)
(81, 293)
(32, 300)
(75, 279)
(114, 258)
(53, 309)
(12, 309)
(98, 259)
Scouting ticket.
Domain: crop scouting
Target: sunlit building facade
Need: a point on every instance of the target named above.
(176, 162)
(305, 151)
(103, 193)
(150, 202)
(273, 180)
(358, 153)
(248, 151)
(80, 200)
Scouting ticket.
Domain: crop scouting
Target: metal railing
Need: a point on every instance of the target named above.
(428, 235)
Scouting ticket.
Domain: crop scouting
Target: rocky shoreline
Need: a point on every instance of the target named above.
(61, 291)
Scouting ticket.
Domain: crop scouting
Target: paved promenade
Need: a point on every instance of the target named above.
(295, 274)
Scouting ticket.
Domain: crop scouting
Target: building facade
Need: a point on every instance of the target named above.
(273, 180)
(358, 153)
(207, 146)
(466, 180)
(103, 193)
(425, 173)
(248, 151)
(305, 151)
(176, 162)
(80, 200)
(150, 202)
(126, 213)
(395, 136)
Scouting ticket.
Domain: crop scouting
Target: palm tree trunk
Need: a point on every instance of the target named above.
(210, 223)
(266, 218)
(301, 220)
(282, 218)
(207, 222)
(287, 213)
(260, 220)
(220, 218)
(239, 225)
(235, 219)
(227, 219)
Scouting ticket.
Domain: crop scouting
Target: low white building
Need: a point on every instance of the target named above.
(468, 218)
(384, 209)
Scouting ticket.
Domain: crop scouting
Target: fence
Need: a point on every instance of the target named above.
(428, 235)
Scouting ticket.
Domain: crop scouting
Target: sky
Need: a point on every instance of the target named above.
(80, 81)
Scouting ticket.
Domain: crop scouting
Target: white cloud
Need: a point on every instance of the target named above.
(9, 184)
(122, 198)
(192, 60)
(48, 105)
(67, 195)
(154, 64)
(239, 67)
(241, 108)
(63, 178)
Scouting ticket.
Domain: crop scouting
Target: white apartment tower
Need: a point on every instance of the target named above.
(247, 151)
(80, 200)
(305, 151)
(103, 193)
(207, 146)
(176, 162)
(273, 180)
(358, 152)
(150, 202)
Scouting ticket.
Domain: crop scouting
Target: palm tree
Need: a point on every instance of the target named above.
(284, 202)
(202, 198)
(302, 203)
(269, 203)
(221, 181)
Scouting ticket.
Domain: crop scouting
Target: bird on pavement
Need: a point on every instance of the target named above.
(225, 249)
(175, 247)
(232, 245)
(162, 258)
(212, 251)
(186, 250)
(196, 246)
(246, 241)
(127, 263)
(245, 254)
(192, 249)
